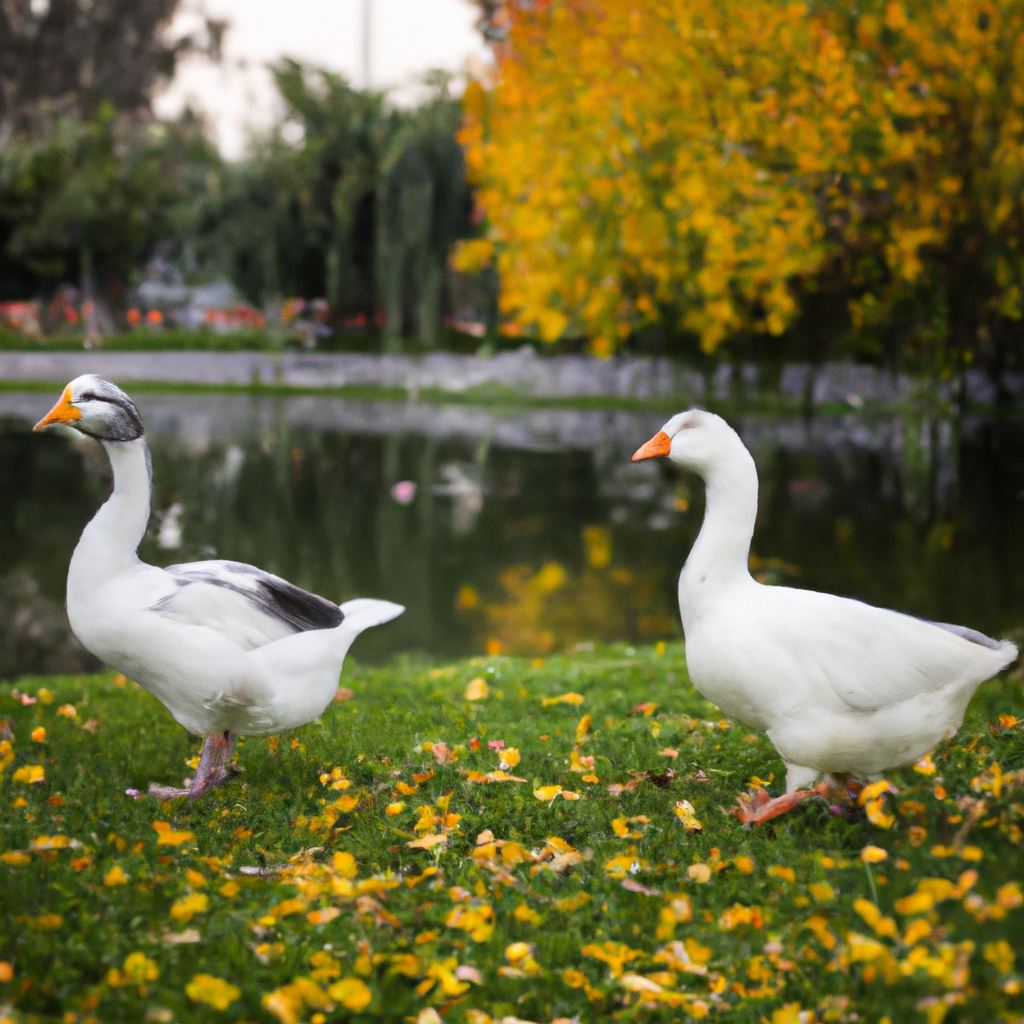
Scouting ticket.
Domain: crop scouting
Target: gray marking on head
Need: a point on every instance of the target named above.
(123, 422)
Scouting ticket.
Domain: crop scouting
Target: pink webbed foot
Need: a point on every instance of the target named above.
(758, 806)
(213, 770)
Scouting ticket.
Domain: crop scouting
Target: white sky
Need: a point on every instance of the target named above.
(407, 38)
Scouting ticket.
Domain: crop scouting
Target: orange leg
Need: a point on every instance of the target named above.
(758, 806)
(212, 771)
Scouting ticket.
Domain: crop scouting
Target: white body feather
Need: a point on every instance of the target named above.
(837, 685)
(215, 658)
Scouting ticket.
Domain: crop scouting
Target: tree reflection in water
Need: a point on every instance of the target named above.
(528, 529)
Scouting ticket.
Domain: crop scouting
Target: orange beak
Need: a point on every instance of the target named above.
(62, 412)
(658, 445)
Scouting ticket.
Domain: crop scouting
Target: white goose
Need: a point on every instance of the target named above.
(838, 685)
(227, 648)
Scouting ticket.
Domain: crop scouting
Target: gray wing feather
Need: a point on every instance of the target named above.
(968, 634)
(292, 606)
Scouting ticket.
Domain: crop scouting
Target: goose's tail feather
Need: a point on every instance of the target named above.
(364, 612)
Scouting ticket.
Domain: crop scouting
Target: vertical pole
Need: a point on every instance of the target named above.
(367, 42)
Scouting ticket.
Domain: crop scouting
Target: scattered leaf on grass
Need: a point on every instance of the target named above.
(873, 855)
(428, 842)
(167, 836)
(685, 813)
(51, 843)
(477, 689)
(565, 698)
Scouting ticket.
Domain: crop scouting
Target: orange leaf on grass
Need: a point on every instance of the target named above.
(322, 916)
(167, 836)
(427, 842)
(634, 886)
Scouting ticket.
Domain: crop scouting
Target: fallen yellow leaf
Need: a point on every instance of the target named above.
(685, 813)
(477, 689)
(565, 698)
(873, 855)
(509, 758)
(322, 916)
(166, 836)
(428, 841)
(699, 873)
(115, 876)
(352, 993)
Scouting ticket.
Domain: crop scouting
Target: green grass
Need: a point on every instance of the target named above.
(72, 915)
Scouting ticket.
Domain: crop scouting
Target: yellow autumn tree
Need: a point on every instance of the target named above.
(709, 163)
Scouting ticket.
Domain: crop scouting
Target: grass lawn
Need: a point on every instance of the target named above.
(364, 866)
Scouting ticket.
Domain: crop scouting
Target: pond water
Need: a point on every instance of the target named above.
(528, 528)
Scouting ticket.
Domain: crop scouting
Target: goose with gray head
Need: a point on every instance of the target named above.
(227, 648)
(839, 686)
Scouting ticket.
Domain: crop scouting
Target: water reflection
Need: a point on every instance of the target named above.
(528, 528)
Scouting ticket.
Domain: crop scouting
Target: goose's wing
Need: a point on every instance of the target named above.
(874, 658)
(246, 604)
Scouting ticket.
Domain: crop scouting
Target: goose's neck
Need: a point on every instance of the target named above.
(721, 553)
(109, 543)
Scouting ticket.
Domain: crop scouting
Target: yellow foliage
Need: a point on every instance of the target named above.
(139, 969)
(215, 992)
(708, 163)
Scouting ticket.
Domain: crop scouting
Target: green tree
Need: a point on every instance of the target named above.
(70, 55)
(424, 207)
(95, 196)
(348, 198)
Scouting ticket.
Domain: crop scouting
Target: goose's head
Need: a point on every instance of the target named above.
(694, 439)
(98, 408)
